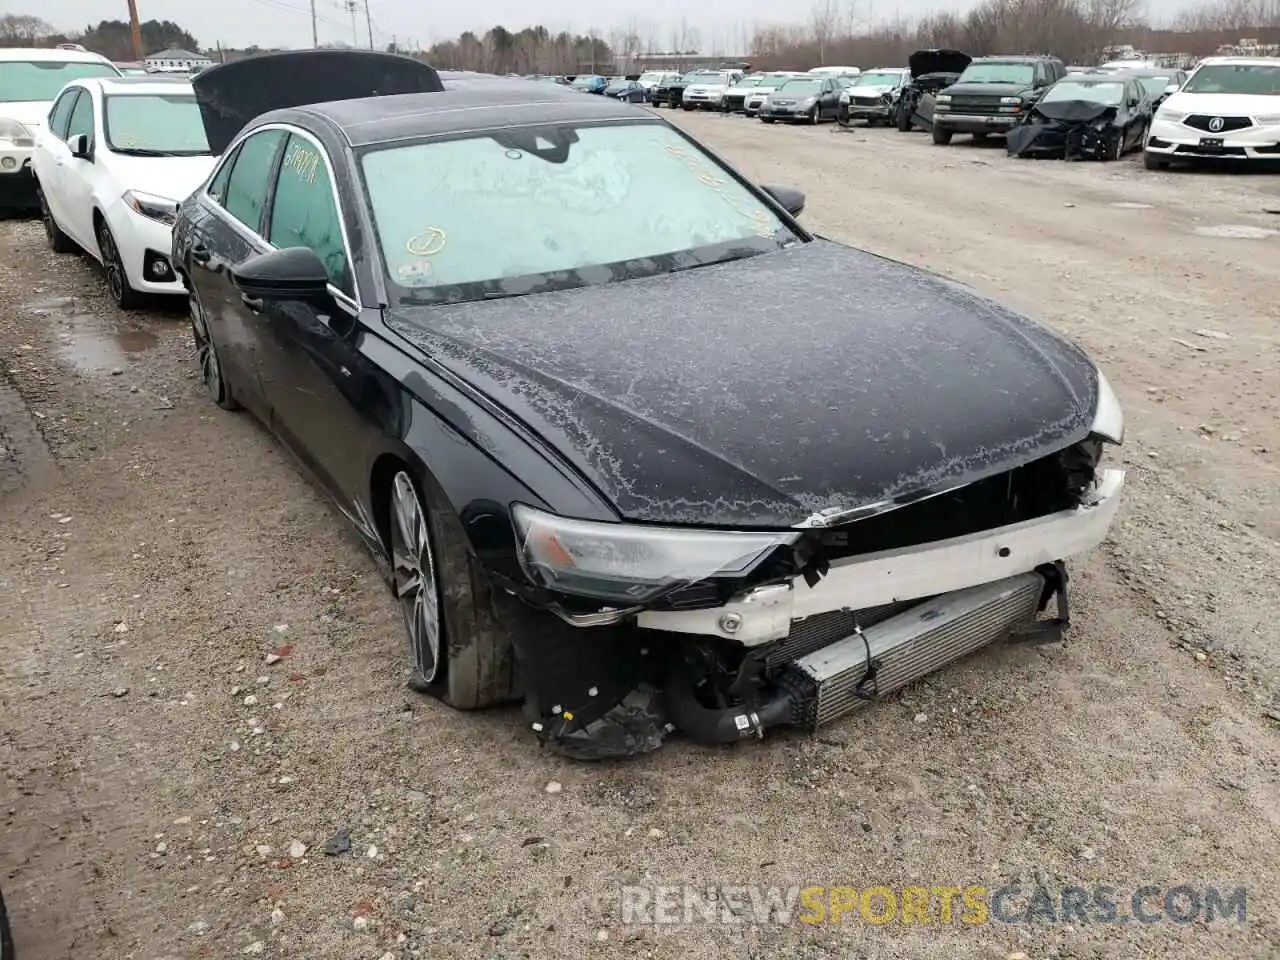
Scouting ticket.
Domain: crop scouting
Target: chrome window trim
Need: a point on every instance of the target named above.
(348, 303)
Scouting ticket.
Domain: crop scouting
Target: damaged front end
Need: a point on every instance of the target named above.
(722, 635)
(1070, 129)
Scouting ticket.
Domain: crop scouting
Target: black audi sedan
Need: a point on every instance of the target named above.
(620, 446)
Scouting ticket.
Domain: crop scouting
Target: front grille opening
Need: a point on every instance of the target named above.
(1037, 489)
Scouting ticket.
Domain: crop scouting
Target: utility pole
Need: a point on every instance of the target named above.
(368, 22)
(352, 5)
(315, 34)
(135, 30)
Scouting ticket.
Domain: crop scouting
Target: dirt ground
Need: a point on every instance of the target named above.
(155, 770)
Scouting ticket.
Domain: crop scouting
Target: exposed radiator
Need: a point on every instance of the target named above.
(908, 646)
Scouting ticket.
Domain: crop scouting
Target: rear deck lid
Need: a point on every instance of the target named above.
(232, 94)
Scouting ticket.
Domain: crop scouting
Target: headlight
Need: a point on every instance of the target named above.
(151, 206)
(1011, 100)
(844, 97)
(942, 98)
(1269, 118)
(1108, 420)
(631, 563)
(15, 131)
(1173, 116)
(808, 101)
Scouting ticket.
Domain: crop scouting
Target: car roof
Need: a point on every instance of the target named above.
(1242, 61)
(151, 83)
(1028, 58)
(484, 106)
(52, 55)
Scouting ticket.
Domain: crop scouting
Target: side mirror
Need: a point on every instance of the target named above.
(1171, 89)
(79, 147)
(294, 273)
(789, 198)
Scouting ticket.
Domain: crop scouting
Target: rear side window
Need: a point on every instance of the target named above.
(61, 113)
(246, 192)
(304, 212)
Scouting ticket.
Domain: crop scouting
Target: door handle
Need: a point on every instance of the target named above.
(253, 303)
(200, 254)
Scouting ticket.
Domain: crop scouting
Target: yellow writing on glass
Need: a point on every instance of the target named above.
(709, 179)
(303, 162)
(428, 243)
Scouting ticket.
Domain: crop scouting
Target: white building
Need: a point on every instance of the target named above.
(175, 60)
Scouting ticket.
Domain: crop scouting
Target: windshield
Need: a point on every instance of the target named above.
(749, 81)
(773, 79)
(150, 123)
(1154, 86)
(707, 76)
(998, 73)
(40, 80)
(1254, 78)
(884, 78)
(547, 204)
(1110, 92)
(800, 86)
(619, 86)
(651, 77)
(586, 81)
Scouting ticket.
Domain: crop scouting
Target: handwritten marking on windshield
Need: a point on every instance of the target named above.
(698, 167)
(303, 162)
(428, 243)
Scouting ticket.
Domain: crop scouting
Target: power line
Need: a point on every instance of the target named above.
(288, 8)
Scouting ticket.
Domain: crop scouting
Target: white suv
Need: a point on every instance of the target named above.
(29, 80)
(1228, 108)
(117, 158)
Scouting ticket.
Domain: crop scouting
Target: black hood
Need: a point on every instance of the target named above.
(937, 61)
(1074, 111)
(758, 392)
(232, 94)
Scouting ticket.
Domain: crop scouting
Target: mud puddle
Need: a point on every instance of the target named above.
(87, 342)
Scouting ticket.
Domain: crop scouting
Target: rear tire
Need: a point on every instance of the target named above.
(59, 242)
(212, 373)
(767, 119)
(940, 136)
(461, 653)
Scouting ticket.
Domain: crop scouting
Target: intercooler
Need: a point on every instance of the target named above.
(886, 656)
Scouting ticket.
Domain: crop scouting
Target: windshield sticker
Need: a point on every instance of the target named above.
(415, 273)
(302, 161)
(427, 244)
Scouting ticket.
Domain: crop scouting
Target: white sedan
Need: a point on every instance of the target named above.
(116, 157)
(1229, 108)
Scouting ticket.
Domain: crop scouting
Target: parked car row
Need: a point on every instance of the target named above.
(414, 293)
(1226, 107)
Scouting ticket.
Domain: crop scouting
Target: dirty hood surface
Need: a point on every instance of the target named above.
(232, 94)
(758, 392)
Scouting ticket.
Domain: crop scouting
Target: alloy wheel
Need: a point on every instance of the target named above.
(206, 355)
(111, 264)
(415, 575)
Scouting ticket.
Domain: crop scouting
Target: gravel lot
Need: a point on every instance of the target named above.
(156, 770)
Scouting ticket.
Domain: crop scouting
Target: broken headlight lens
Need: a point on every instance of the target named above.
(148, 205)
(1108, 418)
(631, 563)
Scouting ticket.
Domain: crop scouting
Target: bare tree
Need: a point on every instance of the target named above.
(21, 30)
(825, 20)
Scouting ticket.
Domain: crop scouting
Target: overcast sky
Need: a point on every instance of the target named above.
(724, 25)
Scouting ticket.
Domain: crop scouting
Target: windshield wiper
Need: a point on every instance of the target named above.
(146, 152)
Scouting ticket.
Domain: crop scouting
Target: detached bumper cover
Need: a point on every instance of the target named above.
(767, 613)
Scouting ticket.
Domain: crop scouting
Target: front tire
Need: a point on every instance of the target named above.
(125, 297)
(460, 652)
(1153, 161)
(815, 117)
(59, 242)
(211, 371)
(940, 136)
(904, 118)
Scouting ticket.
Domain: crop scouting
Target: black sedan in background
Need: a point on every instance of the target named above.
(620, 447)
(1085, 116)
(628, 91)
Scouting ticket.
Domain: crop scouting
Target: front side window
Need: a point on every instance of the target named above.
(81, 122)
(537, 208)
(250, 177)
(1111, 94)
(154, 124)
(1252, 78)
(40, 80)
(304, 212)
(1022, 73)
(61, 113)
(1154, 86)
(793, 88)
